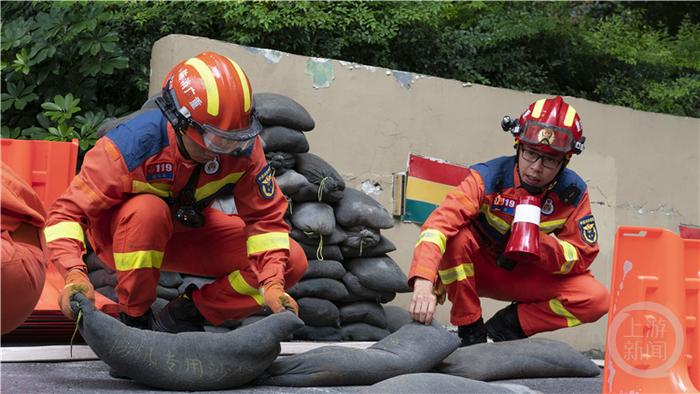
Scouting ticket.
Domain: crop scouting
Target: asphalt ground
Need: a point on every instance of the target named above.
(93, 377)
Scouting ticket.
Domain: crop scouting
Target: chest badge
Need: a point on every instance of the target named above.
(160, 171)
(548, 207)
(212, 166)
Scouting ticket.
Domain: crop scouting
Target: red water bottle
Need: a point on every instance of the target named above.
(524, 243)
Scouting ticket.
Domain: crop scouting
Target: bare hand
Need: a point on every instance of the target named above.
(422, 306)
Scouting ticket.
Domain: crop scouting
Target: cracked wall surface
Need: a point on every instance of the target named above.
(642, 169)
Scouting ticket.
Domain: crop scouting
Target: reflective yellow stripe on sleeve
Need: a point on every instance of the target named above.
(265, 242)
(456, 274)
(137, 260)
(433, 236)
(71, 230)
(552, 225)
(240, 286)
(494, 221)
(557, 307)
(159, 189)
(570, 255)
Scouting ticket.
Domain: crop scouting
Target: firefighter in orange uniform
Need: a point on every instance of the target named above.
(143, 197)
(23, 261)
(460, 248)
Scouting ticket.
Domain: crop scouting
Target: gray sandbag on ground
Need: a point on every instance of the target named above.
(109, 292)
(278, 110)
(314, 239)
(290, 182)
(327, 288)
(197, 280)
(158, 304)
(383, 247)
(363, 332)
(170, 279)
(358, 292)
(396, 317)
(280, 162)
(414, 348)
(523, 358)
(329, 185)
(102, 277)
(188, 360)
(378, 273)
(327, 252)
(361, 237)
(318, 312)
(420, 383)
(166, 292)
(358, 209)
(313, 217)
(283, 139)
(363, 312)
(326, 334)
(324, 269)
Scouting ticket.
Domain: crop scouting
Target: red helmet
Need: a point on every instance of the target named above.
(552, 126)
(209, 99)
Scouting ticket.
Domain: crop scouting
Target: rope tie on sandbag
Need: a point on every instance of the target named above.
(77, 321)
(362, 245)
(319, 251)
(321, 186)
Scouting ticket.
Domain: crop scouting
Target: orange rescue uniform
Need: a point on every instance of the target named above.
(124, 196)
(23, 261)
(462, 239)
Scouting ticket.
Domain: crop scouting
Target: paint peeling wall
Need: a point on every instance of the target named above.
(642, 169)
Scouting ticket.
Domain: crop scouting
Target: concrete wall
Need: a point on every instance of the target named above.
(642, 168)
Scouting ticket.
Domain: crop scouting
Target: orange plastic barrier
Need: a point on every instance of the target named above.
(47, 166)
(652, 338)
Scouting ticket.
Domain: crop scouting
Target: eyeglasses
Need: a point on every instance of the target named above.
(547, 162)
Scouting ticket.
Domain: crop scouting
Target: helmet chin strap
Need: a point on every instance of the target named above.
(181, 146)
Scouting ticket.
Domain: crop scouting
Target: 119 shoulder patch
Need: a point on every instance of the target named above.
(589, 232)
(266, 183)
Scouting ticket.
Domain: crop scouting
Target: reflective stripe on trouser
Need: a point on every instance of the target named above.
(218, 250)
(548, 301)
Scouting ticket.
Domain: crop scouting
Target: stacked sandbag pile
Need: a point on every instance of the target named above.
(349, 273)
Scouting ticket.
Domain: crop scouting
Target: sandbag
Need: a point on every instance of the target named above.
(275, 109)
(188, 360)
(324, 269)
(361, 238)
(290, 182)
(313, 217)
(109, 292)
(111, 123)
(363, 312)
(379, 273)
(251, 320)
(420, 383)
(358, 292)
(322, 175)
(363, 332)
(523, 358)
(396, 317)
(197, 280)
(102, 277)
(94, 263)
(314, 239)
(318, 312)
(158, 304)
(326, 288)
(327, 252)
(383, 247)
(283, 139)
(414, 348)
(167, 292)
(170, 279)
(358, 209)
(326, 334)
(280, 162)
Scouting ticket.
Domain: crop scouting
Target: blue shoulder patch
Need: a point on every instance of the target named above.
(140, 138)
(497, 173)
(570, 187)
(266, 183)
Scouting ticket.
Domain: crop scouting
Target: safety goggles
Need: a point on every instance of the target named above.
(557, 138)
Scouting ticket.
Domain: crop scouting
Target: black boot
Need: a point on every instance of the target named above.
(505, 325)
(179, 315)
(472, 333)
(142, 322)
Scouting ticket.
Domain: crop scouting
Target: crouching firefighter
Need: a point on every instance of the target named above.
(466, 247)
(143, 198)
